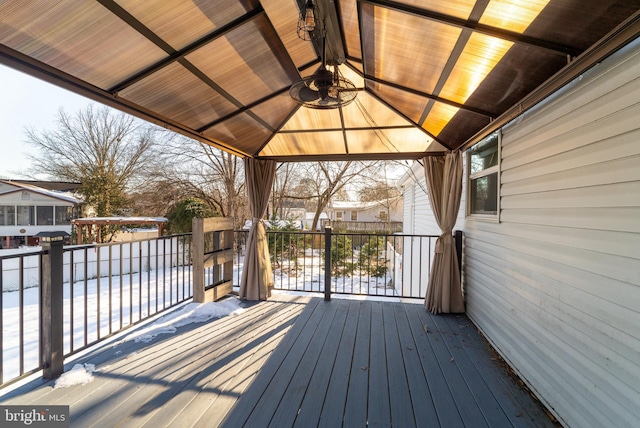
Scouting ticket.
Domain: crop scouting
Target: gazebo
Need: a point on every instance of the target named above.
(551, 273)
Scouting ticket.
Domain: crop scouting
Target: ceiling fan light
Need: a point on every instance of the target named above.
(307, 21)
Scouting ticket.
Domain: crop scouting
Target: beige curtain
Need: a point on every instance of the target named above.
(444, 183)
(257, 277)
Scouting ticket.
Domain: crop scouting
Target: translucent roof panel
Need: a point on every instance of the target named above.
(512, 16)
(455, 8)
(431, 74)
(480, 55)
(182, 22)
(351, 28)
(284, 19)
(178, 94)
(307, 118)
(396, 140)
(410, 104)
(246, 67)
(245, 130)
(77, 38)
(425, 49)
(276, 110)
(366, 111)
(439, 116)
(305, 143)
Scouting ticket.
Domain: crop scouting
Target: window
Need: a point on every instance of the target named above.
(339, 215)
(45, 215)
(382, 215)
(7, 215)
(484, 177)
(26, 216)
(354, 215)
(64, 215)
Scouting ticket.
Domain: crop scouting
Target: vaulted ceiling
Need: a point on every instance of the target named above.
(431, 75)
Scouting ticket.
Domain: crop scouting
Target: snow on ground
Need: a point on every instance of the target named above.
(191, 313)
(80, 374)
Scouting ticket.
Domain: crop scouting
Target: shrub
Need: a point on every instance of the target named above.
(371, 258)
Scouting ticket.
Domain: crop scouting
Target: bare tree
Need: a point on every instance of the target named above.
(104, 150)
(287, 178)
(195, 169)
(325, 180)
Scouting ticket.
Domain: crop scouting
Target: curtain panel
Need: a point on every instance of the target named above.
(257, 276)
(444, 184)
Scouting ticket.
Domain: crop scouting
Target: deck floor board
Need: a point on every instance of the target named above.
(300, 361)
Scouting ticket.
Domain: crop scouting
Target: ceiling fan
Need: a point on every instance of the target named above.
(326, 88)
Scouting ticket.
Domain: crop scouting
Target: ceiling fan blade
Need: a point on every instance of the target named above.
(307, 94)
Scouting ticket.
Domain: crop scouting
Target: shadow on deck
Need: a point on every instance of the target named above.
(300, 361)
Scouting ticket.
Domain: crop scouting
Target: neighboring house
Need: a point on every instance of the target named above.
(26, 210)
(551, 269)
(308, 220)
(361, 215)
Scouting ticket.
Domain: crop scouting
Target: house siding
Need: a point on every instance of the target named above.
(555, 285)
(418, 216)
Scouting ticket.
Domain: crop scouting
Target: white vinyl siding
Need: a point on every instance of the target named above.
(418, 215)
(555, 286)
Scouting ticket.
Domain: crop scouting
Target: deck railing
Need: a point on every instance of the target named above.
(108, 288)
(366, 226)
(389, 265)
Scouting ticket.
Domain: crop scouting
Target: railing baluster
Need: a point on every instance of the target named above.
(121, 282)
(86, 298)
(156, 275)
(148, 277)
(130, 283)
(110, 264)
(327, 263)
(21, 311)
(1, 321)
(71, 301)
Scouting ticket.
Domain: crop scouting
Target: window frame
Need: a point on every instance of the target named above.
(41, 209)
(495, 169)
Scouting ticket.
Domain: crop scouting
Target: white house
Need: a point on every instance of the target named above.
(551, 270)
(26, 210)
(366, 211)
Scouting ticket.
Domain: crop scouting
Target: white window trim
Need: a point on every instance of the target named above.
(491, 218)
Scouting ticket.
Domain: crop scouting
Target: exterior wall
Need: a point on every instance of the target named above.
(555, 285)
(418, 216)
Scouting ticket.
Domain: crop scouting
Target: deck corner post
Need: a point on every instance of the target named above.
(52, 352)
(327, 263)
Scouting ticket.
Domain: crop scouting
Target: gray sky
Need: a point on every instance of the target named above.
(27, 102)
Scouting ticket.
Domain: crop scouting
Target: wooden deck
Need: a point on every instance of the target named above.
(300, 361)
